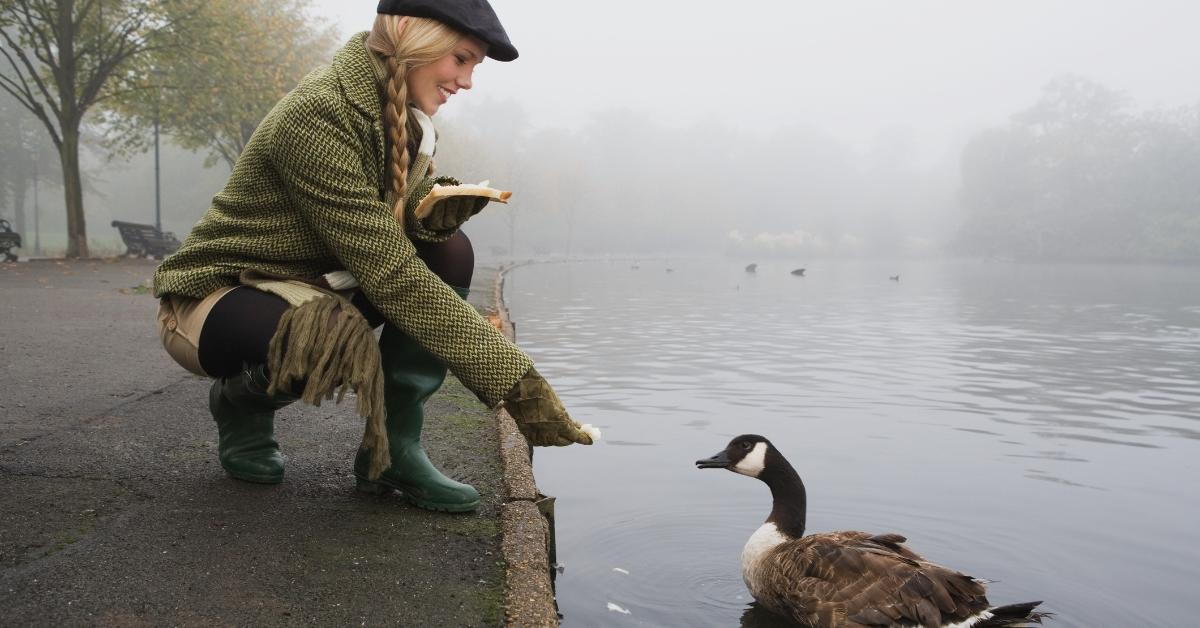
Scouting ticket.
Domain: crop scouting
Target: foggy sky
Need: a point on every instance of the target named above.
(935, 71)
(863, 107)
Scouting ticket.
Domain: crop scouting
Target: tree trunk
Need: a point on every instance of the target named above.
(68, 121)
(77, 244)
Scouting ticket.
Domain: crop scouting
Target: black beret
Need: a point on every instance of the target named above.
(474, 17)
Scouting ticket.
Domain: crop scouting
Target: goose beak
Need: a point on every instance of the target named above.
(719, 461)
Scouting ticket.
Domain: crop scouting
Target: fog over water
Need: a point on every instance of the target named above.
(668, 126)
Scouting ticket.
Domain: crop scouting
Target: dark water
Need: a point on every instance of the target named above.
(1038, 426)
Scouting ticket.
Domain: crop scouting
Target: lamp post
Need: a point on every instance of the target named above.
(158, 75)
(157, 189)
(37, 226)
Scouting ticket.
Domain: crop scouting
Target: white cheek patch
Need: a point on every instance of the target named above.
(754, 462)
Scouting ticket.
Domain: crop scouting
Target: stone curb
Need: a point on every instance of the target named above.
(525, 524)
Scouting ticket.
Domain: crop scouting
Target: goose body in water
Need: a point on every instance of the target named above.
(848, 579)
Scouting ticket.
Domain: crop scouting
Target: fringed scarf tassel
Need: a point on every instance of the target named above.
(330, 348)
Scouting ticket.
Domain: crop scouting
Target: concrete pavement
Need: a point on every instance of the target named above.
(115, 511)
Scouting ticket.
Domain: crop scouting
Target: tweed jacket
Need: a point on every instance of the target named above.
(307, 197)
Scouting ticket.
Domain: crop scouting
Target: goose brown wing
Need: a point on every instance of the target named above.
(853, 579)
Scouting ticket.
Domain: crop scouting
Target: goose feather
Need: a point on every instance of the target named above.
(858, 579)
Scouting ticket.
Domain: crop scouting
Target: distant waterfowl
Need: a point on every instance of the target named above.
(895, 277)
(670, 270)
(848, 579)
(799, 272)
(751, 268)
(635, 266)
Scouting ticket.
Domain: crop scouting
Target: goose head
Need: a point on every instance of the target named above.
(754, 456)
(746, 454)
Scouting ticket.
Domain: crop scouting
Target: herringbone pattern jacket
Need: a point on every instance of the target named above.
(306, 197)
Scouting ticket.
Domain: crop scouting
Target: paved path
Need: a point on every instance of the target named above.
(114, 510)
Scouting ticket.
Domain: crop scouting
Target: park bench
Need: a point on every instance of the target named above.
(9, 240)
(145, 240)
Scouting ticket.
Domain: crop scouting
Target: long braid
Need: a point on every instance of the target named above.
(405, 43)
(395, 113)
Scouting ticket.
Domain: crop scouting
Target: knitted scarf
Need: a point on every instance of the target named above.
(324, 343)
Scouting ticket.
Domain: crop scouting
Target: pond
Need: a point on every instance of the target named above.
(1033, 425)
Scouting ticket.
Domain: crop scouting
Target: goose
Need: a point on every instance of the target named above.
(848, 579)
(751, 267)
(799, 272)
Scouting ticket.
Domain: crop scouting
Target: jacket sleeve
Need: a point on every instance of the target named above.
(318, 156)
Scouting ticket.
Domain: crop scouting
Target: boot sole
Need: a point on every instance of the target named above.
(255, 479)
(379, 489)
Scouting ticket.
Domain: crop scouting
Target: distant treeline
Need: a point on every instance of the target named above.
(1079, 176)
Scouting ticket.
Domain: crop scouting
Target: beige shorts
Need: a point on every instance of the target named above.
(180, 320)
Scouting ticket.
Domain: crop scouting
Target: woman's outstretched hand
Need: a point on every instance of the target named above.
(540, 414)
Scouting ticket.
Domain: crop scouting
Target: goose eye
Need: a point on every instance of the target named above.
(746, 445)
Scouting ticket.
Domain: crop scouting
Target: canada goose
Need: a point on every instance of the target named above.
(799, 272)
(894, 277)
(848, 579)
(751, 268)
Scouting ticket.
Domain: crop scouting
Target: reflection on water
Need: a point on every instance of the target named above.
(1026, 424)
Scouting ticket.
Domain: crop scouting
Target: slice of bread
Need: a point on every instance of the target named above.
(465, 189)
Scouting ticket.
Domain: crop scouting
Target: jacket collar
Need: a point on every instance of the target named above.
(356, 74)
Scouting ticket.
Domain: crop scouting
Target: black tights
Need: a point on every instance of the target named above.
(241, 324)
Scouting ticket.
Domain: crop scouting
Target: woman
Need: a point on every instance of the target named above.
(313, 242)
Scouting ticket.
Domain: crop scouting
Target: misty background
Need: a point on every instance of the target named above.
(1020, 130)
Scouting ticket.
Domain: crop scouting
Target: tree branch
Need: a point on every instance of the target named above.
(32, 76)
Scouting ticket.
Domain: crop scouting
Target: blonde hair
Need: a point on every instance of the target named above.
(405, 43)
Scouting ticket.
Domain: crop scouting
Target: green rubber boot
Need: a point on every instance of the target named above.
(411, 375)
(245, 417)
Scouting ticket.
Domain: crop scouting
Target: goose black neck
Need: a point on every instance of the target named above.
(787, 491)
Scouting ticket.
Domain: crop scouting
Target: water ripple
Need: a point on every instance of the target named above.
(995, 412)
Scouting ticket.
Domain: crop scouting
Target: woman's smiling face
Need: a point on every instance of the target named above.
(430, 86)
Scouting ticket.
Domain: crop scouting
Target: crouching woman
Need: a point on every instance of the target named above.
(313, 242)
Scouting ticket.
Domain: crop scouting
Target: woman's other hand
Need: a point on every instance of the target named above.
(447, 214)
(540, 415)
(451, 212)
